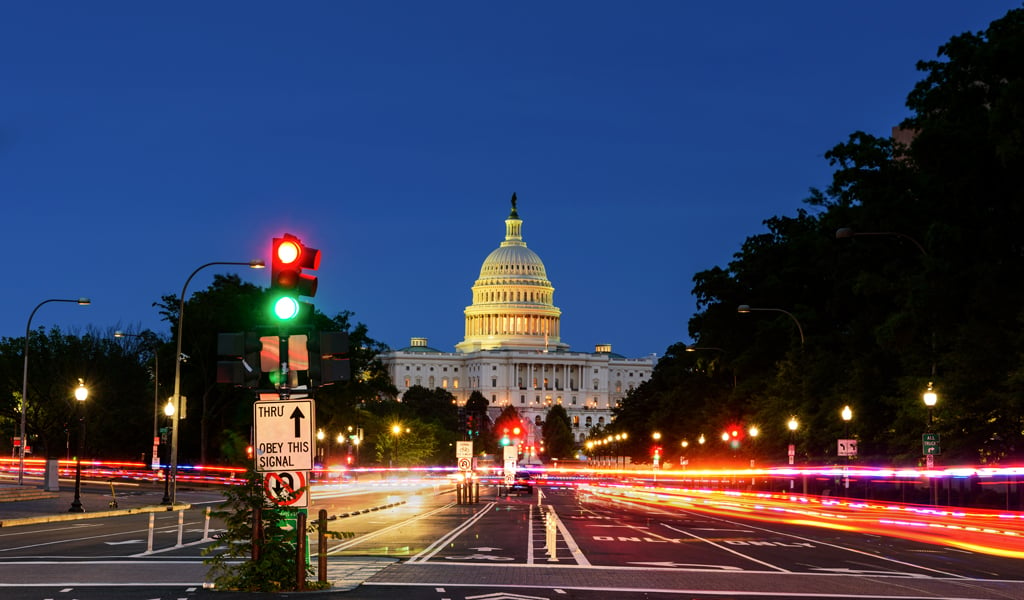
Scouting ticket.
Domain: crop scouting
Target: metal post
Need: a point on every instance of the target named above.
(300, 551)
(321, 546)
(76, 504)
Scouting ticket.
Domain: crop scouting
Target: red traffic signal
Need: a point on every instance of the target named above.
(289, 256)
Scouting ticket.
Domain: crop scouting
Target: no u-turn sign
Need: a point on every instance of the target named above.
(287, 488)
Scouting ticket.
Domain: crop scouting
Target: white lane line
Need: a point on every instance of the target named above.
(90, 537)
(529, 536)
(721, 547)
(838, 547)
(439, 543)
(574, 548)
(367, 536)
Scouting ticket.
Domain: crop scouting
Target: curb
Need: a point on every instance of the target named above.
(92, 515)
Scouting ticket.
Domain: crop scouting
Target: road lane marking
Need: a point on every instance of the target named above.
(730, 550)
(435, 547)
(846, 548)
(359, 539)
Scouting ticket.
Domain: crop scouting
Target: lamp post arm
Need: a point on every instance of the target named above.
(24, 385)
(173, 467)
(787, 313)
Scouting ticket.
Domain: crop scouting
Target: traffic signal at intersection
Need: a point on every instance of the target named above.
(243, 364)
(328, 360)
(289, 256)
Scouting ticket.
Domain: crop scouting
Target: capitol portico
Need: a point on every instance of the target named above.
(512, 352)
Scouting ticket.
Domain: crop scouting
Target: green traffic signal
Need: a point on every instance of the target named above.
(286, 308)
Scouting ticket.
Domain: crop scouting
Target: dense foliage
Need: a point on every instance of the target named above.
(905, 270)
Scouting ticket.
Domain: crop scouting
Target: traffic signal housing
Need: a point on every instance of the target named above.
(289, 256)
(328, 358)
(239, 361)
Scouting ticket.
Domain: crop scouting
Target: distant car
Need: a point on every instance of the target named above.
(523, 484)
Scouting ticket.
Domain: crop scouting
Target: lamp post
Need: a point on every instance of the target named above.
(396, 430)
(24, 384)
(167, 501)
(321, 449)
(176, 399)
(930, 399)
(156, 391)
(847, 415)
(744, 309)
(792, 425)
(81, 393)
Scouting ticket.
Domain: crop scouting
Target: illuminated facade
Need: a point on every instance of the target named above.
(512, 351)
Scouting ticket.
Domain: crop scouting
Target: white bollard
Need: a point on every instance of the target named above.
(206, 525)
(181, 527)
(550, 538)
(149, 544)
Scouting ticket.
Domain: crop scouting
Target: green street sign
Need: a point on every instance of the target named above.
(930, 444)
(930, 437)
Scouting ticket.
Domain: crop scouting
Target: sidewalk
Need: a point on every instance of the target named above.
(130, 497)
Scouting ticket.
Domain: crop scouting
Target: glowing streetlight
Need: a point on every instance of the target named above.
(930, 398)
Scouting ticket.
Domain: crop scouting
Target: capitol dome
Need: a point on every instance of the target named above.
(513, 301)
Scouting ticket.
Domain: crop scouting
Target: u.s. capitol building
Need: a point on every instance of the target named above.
(513, 351)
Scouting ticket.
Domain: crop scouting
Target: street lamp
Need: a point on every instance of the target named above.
(81, 393)
(792, 424)
(396, 430)
(156, 389)
(930, 398)
(24, 384)
(744, 309)
(847, 415)
(253, 264)
(166, 501)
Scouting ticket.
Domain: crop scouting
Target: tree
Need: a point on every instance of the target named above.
(933, 296)
(557, 433)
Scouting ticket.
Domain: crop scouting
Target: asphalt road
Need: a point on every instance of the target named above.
(560, 543)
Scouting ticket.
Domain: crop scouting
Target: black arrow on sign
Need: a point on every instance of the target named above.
(284, 486)
(298, 416)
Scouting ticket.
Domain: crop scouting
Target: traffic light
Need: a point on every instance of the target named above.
(733, 435)
(243, 367)
(289, 256)
(328, 362)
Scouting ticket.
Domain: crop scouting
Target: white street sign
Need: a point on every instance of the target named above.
(283, 435)
(847, 448)
(463, 449)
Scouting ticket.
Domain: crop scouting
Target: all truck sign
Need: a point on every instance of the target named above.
(283, 435)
